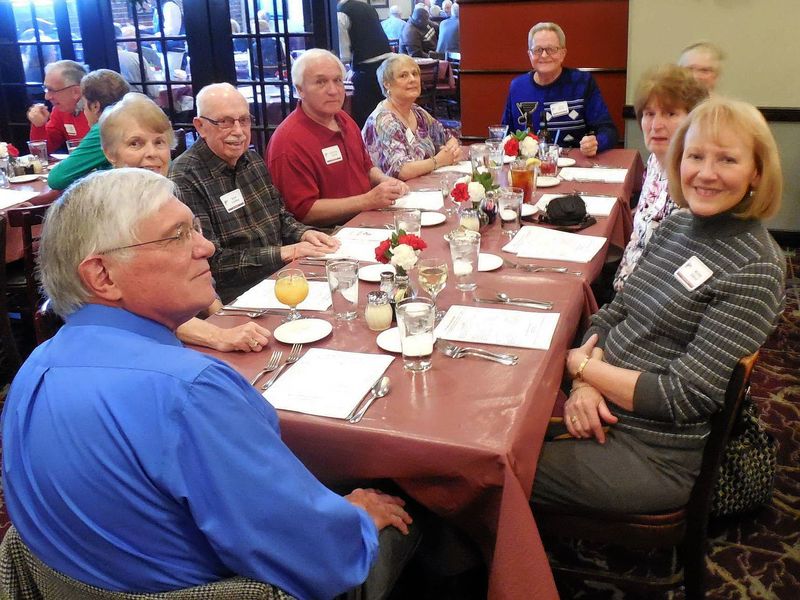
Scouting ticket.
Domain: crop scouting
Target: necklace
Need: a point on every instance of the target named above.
(407, 119)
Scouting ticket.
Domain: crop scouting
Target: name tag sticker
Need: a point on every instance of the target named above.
(409, 135)
(332, 154)
(232, 200)
(70, 129)
(693, 273)
(559, 109)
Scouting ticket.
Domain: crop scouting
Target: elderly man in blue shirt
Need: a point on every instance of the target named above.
(134, 464)
(393, 24)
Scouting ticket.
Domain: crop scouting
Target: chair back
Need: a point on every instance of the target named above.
(429, 77)
(9, 355)
(25, 577)
(394, 45)
(180, 143)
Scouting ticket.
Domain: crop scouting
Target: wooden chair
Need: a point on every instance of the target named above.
(684, 528)
(9, 355)
(180, 143)
(429, 78)
(394, 45)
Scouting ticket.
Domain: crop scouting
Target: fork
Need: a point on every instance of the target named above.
(271, 365)
(454, 351)
(294, 356)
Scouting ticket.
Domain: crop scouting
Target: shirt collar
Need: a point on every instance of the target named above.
(119, 318)
(339, 116)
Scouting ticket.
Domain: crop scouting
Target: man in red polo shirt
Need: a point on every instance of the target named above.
(62, 86)
(317, 158)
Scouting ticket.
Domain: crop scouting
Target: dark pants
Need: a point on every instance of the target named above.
(366, 91)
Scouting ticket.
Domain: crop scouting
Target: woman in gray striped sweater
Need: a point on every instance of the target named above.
(655, 362)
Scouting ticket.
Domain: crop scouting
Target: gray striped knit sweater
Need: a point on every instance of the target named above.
(687, 343)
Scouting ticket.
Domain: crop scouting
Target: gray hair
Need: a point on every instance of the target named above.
(547, 26)
(388, 69)
(136, 107)
(712, 49)
(202, 101)
(97, 213)
(70, 71)
(300, 65)
(394, 10)
(455, 9)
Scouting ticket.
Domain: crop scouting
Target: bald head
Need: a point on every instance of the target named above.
(223, 121)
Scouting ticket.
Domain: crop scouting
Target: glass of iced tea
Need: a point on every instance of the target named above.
(523, 176)
(291, 288)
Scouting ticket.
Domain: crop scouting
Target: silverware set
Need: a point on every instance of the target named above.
(454, 351)
(379, 389)
(294, 356)
(539, 268)
(272, 364)
(253, 313)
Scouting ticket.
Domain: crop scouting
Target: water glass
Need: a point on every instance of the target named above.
(415, 321)
(524, 177)
(498, 132)
(343, 281)
(464, 249)
(510, 205)
(446, 185)
(72, 144)
(479, 157)
(39, 150)
(4, 173)
(409, 221)
(548, 154)
(495, 159)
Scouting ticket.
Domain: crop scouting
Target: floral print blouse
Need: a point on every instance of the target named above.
(391, 143)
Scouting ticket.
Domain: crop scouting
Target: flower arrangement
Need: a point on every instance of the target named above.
(8, 150)
(522, 144)
(473, 188)
(401, 250)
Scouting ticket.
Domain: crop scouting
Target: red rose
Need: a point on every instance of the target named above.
(460, 192)
(382, 251)
(12, 151)
(412, 240)
(512, 147)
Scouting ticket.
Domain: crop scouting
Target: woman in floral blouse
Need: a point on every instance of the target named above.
(664, 97)
(402, 138)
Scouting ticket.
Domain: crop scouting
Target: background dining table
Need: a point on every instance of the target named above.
(39, 193)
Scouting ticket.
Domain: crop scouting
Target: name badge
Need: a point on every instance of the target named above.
(559, 109)
(332, 154)
(693, 273)
(409, 135)
(232, 200)
(70, 129)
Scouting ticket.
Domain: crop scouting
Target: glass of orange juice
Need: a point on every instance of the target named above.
(291, 288)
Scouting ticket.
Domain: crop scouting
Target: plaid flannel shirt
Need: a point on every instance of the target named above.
(248, 240)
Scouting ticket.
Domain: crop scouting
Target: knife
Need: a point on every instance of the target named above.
(531, 304)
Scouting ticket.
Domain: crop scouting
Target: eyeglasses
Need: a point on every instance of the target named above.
(228, 122)
(551, 50)
(183, 235)
(47, 90)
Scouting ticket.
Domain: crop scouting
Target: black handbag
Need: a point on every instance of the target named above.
(749, 463)
(566, 210)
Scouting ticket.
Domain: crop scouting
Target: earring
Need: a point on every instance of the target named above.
(752, 193)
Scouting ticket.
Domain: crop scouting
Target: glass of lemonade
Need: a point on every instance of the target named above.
(415, 321)
(343, 282)
(432, 274)
(291, 288)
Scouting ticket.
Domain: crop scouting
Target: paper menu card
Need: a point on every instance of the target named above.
(597, 206)
(551, 244)
(262, 295)
(9, 198)
(593, 174)
(464, 167)
(327, 383)
(423, 200)
(500, 326)
(359, 243)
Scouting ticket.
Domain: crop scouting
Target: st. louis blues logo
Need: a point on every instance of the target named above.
(524, 108)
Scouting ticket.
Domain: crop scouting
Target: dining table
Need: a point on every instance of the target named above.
(22, 194)
(463, 438)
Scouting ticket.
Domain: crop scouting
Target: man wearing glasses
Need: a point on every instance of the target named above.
(229, 189)
(62, 88)
(568, 101)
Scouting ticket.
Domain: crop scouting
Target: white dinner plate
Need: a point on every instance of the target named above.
(546, 182)
(528, 210)
(429, 218)
(489, 262)
(389, 340)
(302, 331)
(565, 161)
(23, 178)
(372, 273)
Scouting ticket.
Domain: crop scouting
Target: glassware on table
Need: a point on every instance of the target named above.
(291, 288)
(548, 154)
(510, 208)
(378, 312)
(469, 219)
(495, 159)
(523, 176)
(464, 249)
(4, 173)
(432, 275)
(446, 185)
(72, 144)
(39, 150)
(415, 322)
(409, 221)
(498, 132)
(343, 282)
(479, 158)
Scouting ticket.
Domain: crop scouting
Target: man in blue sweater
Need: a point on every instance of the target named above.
(567, 100)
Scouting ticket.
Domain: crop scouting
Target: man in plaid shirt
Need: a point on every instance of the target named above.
(228, 188)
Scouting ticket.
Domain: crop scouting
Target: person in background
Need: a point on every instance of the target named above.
(135, 132)
(165, 463)
(99, 89)
(62, 87)
(229, 189)
(435, 11)
(664, 96)
(418, 38)
(567, 100)
(402, 138)
(704, 60)
(447, 8)
(316, 155)
(362, 42)
(393, 24)
(449, 37)
(655, 362)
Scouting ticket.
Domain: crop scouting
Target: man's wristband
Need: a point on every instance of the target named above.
(579, 372)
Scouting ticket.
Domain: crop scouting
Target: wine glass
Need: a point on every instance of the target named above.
(497, 132)
(291, 288)
(432, 274)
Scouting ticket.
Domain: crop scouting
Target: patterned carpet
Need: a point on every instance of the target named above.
(757, 557)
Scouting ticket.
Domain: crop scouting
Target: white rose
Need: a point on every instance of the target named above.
(529, 147)
(3, 150)
(404, 256)
(465, 179)
(476, 191)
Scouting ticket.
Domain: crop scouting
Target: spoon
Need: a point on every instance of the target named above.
(379, 390)
(503, 297)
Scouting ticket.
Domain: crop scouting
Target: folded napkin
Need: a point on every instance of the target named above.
(551, 244)
(262, 295)
(423, 200)
(592, 174)
(359, 243)
(464, 167)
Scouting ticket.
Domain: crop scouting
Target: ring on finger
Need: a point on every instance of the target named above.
(573, 419)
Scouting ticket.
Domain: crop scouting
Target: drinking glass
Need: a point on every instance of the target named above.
(498, 132)
(432, 274)
(343, 281)
(415, 322)
(495, 159)
(446, 185)
(464, 249)
(510, 205)
(291, 288)
(409, 221)
(39, 150)
(469, 219)
(524, 177)
(479, 157)
(548, 154)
